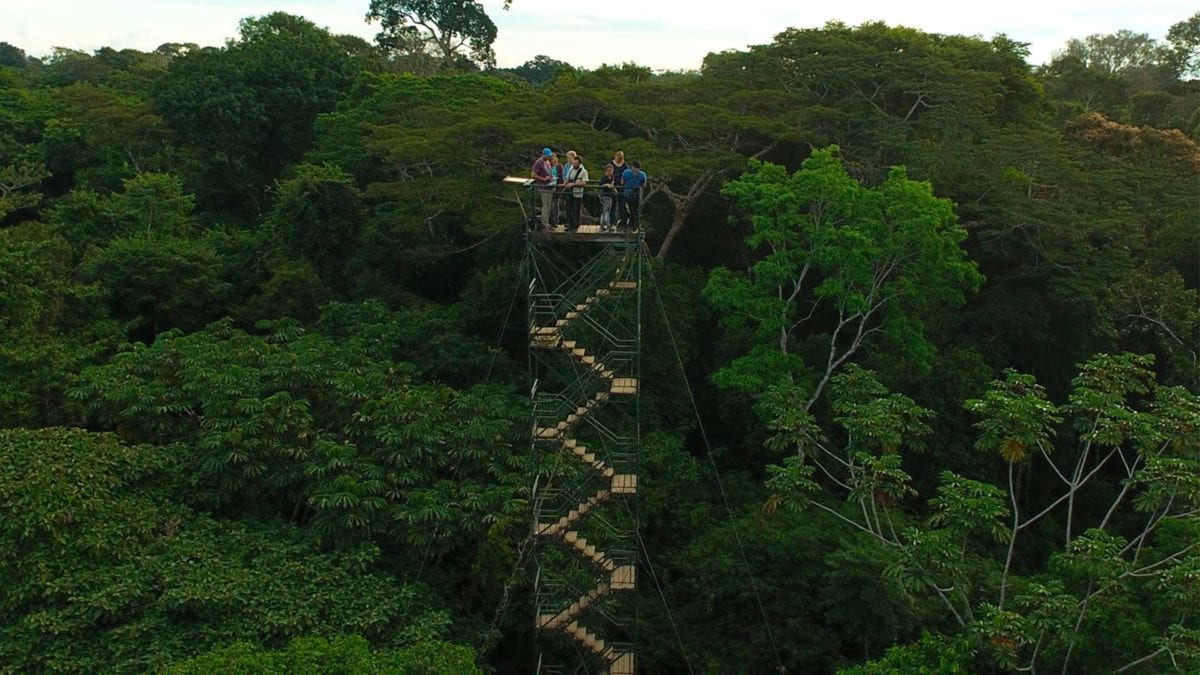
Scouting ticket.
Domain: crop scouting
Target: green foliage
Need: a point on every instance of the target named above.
(876, 420)
(858, 597)
(272, 423)
(51, 325)
(152, 203)
(932, 654)
(1160, 310)
(250, 106)
(872, 260)
(877, 426)
(965, 507)
(113, 576)
(12, 56)
(332, 475)
(159, 282)
(1116, 409)
(17, 183)
(102, 135)
(293, 289)
(318, 216)
(1016, 417)
(541, 69)
(1184, 38)
(341, 656)
(444, 25)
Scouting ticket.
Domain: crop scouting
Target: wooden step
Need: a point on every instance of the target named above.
(623, 285)
(562, 524)
(589, 457)
(589, 551)
(586, 638)
(624, 483)
(624, 385)
(576, 608)
(621, 663)
(624, 578)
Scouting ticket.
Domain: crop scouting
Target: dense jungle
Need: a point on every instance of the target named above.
(920, 351)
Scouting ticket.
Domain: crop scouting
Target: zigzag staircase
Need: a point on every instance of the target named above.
(574, 598)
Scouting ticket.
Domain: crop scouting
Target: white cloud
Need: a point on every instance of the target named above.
(672, 34)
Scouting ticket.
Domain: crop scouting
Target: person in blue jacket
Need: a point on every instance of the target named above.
(634, 180)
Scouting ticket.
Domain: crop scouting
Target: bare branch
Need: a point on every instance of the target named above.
(1070, 492)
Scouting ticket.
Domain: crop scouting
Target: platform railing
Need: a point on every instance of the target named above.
(600, 209)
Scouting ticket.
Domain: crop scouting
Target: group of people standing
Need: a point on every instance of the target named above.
(620, 191)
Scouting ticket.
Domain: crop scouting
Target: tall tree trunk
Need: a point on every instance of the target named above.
(676, 226)
(683, 206)
(684, 203)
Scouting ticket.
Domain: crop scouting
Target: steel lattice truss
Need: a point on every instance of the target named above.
(584, 325)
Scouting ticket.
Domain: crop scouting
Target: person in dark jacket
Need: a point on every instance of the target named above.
(608, 200)
(619, 166)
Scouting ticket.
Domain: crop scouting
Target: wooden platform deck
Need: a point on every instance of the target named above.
(584, 233)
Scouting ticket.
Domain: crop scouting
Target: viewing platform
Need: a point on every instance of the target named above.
(590, 233)
(594, 203)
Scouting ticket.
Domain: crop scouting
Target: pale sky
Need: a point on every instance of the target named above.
(662, 34)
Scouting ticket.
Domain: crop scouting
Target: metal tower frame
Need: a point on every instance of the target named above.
(584, 329)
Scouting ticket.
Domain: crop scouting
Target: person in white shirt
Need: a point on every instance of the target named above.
(576, 180)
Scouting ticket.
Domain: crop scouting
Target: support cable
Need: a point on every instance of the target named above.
(508, 315)
(523, 548)
(505, 599)
(662, 595)
(716, 473)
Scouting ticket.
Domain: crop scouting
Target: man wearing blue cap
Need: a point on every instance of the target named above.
(541, 175)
